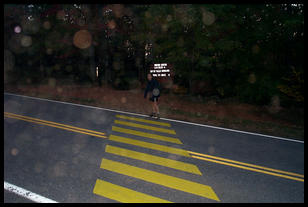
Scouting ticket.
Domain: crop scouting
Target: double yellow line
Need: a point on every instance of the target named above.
(54, 124)
(247, 166)
(209, 158)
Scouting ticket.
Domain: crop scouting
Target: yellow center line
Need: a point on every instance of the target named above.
(248, 168)
(247, 164)
(169, 131)
(143, 120)
(37, 122)
(54, 123)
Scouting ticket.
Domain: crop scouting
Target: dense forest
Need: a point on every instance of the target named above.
(252, 52)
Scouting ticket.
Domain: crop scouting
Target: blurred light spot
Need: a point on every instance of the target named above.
(82, 39)
(76, 148)
(9, 60)
(38, 168)
(30, 25)
(60, 169)
(252, 78)
(57, 67)
(255, 49)
(169, 18)
(164, 27)
(61, 15)
(44, 143)
(208, 18)
(49, 51)
(14, 44)
(17, 29)
(14, 151)
(123, 100)
(211, 150)
(52, 82)
(147, 14)
(118, 10)
(81, 22)
(116, 65)
(47, 25)
(26, 41)
(59, 89)
(275, 105)
(111, 24)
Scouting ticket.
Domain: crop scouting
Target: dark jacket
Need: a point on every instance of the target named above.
(150, 86)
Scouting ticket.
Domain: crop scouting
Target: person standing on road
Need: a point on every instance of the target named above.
(153, 88)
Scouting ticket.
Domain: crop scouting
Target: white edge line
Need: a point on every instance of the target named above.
(183, 122)
(27, 194)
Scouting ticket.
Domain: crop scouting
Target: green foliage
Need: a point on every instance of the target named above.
(294, 85)
(213, 46)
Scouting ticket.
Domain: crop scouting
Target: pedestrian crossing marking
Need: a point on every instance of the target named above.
(160, 179)
(148, 145)
(143, 120)
(187, 167)
(122, 194)
(147, 135)
(169, 131)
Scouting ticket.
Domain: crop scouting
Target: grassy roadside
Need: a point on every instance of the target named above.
(294, 128)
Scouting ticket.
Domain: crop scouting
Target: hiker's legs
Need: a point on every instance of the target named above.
(155, 106)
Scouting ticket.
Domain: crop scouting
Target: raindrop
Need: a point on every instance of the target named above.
(118, 10)
(47, 25)
(61, 15)
(17, 29)
(52, 82)
(111, 24)
(164, 27)
(59, 90)
(169, 18)
(211, 150)
(60, 169)
(14, 151)
(26, 41)
(147, 14)
(123, 100)
(255, 49)
(9, 60)
(38, 168)
(82, 39)
(252, 78)
(49, 51)
(208, 18)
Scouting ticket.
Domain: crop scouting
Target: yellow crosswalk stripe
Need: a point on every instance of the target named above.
(153, 159)
(160, 179)
(122, 194)
(143, 120)
(147, 135)
(148, 145)
(169, 131)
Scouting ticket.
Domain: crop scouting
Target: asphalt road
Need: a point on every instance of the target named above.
(44, 155)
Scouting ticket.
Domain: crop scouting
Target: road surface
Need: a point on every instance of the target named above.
(73, 153)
